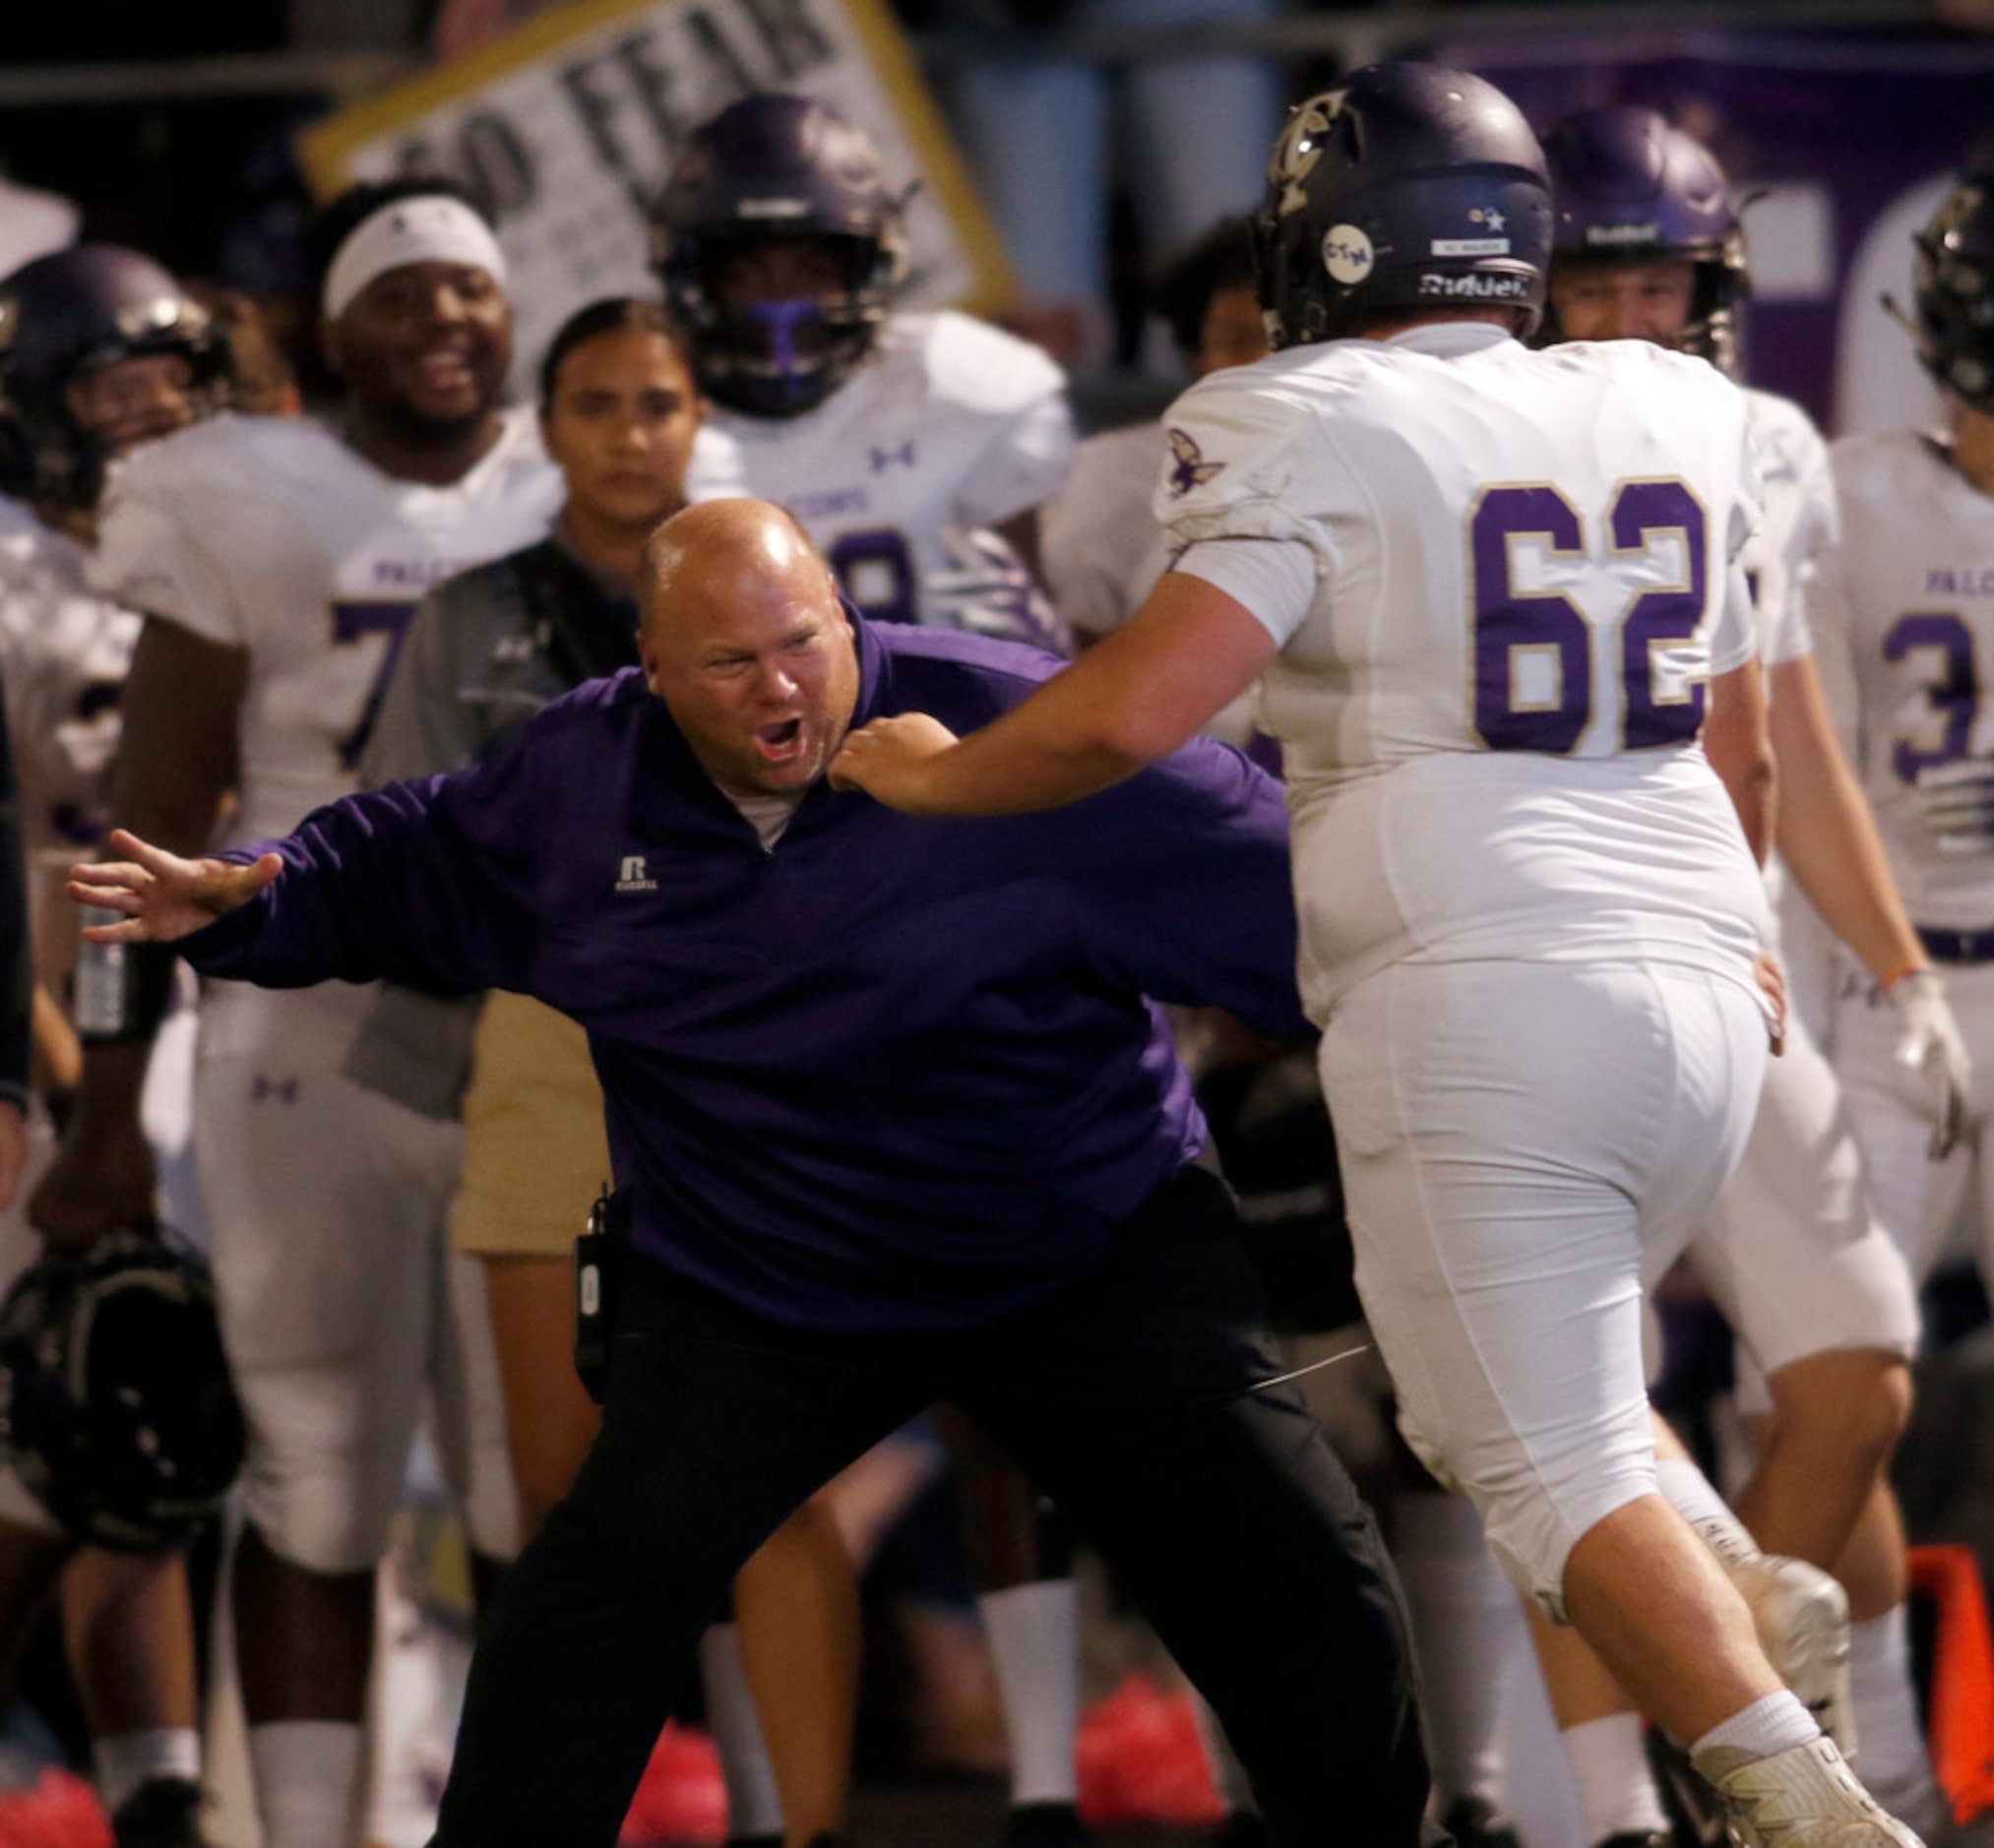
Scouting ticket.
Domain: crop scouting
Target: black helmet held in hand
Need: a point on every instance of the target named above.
(115, 1402)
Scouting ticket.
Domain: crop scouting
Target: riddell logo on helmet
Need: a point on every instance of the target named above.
(1623, 233)
(1478, 288)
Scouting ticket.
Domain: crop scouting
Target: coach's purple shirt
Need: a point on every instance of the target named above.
(890, 1074)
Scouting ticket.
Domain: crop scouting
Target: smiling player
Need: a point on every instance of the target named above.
(277, 563)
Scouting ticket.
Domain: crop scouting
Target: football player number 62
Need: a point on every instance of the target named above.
(1533, 681)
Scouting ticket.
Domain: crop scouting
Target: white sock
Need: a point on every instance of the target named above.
(1775, 1722)
(307, 1782)
(1610, 1770)
(1687, 1490)
(128, 1759)
(1034, 1647)
(1465, 1627)
(1893, 1755)
(754, 1803)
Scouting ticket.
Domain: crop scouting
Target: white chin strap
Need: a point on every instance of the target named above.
(430, 228)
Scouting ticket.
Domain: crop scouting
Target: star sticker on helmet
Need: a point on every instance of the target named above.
(1191, 470)
(1493, 218)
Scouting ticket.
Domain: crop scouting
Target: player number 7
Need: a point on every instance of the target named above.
(353, 623)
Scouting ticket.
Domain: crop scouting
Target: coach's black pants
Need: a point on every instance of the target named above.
(1123, 1397)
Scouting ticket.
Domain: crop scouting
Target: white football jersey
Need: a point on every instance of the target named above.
(1797, 526)
(1104, 549)
(1907, 598)
(64, 654)
(1798, 522)
(271, 534)
(1098, 535)
(954, 425)
(1511, 575)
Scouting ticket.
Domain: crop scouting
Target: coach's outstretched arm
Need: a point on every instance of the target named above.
(163, 896)
(1130, 700)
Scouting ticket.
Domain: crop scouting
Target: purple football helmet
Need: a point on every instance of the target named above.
(1629, 187)
(1407, 186)
(1954, 287)
(779, 168)
(64, 315)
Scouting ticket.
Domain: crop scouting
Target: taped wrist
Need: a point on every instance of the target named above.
(122, 991)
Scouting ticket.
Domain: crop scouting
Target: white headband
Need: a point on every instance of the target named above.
(431, 227)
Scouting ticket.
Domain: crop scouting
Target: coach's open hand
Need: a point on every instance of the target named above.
(163, 897)
(889, 760)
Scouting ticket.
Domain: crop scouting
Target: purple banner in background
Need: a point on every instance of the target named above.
(1849, 139)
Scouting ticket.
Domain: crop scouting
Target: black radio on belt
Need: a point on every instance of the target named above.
(599, 1260)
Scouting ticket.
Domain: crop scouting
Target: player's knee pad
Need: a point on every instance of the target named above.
(1536, 1506)
(325, 1513)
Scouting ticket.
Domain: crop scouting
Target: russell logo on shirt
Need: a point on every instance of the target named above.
(631, 875)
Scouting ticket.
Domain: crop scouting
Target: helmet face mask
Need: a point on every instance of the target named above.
(1631, 189)
(65, 320)
(1407, 188)
(1954, 293)
(770, 174)
(115, 1402)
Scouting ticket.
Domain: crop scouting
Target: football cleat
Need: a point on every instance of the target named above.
(1805, 1797)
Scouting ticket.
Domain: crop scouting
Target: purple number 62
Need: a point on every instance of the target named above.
(1511, 625)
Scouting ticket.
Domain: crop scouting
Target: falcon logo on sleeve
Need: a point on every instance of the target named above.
(1191, 470)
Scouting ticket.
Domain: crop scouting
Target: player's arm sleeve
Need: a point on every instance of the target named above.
(1093, 538)
(1830, 621)
(1187, 895)
(1818, 528)
(386, 886)
(422, 726)
(1029, 447)
(1734, 634)
(16, 976)
(153, 557)
(1226, 500)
